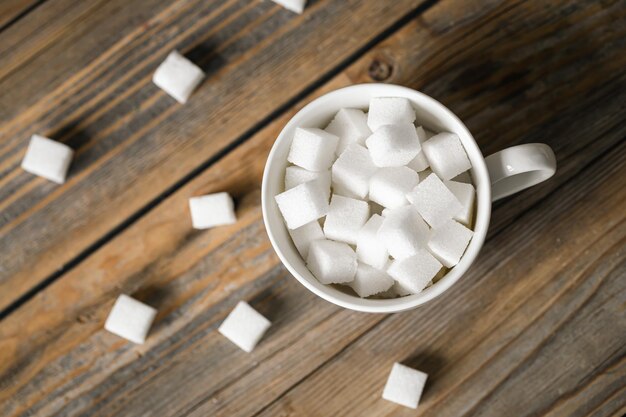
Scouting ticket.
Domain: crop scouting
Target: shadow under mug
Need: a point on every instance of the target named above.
(496, 176)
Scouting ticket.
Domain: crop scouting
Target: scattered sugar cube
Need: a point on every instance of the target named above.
(313, 149)
(130, 319)
(212, 210)
(434, 202)
(393, 145)
(404, 385)
(352, 171)
(244, 326)
(178, 76)
(304, 235)
(463, 177)
(332, 262)
(302, 204)
(419, 163)
(415, 272)
(389, 186)
(389, 111)
(369, 248)
(369, 281)
(296, 6)
(446, 155)
(295, 175)
(47, 158)
(465, 193)
(403, 232)
(448, 242)
(350, 125)
(345, 218)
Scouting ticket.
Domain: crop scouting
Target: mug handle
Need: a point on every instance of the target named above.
(519, 167)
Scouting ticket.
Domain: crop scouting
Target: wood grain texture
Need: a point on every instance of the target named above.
(535, 329)
(84, 79)
(12, 10)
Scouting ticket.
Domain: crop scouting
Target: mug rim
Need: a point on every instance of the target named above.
(483, 203)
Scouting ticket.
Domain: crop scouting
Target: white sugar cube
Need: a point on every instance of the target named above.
(403, 232)
(302, 204)
(212, 210)
(405, 385)
(465, 193)
(389, 186)
(295, 175)
(304, 235)
(389, 111)
(352, 171)
(47, 158)
(434, 201)
(419, 163)
(446, 155)
(178, 76)
(414, 273)
(345, 218)
(369, 281)
(350, 125)
(393, 145)
(369, 248)
(244, 326)
(448, 242)
(313, 149)
(130, 319)
(332, 262)
(296, 6)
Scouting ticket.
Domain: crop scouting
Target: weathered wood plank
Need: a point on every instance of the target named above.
(65, 362)
(11, 10)
(526, 332)
(88, 85)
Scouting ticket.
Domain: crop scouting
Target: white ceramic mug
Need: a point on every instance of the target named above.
(494, 177)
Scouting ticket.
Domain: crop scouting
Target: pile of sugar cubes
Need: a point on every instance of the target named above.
(377, 203)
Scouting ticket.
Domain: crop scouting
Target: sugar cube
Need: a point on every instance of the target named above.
(244, 326)
(345, 218)
(350, 125)
(403, 232)
(352, 171)
(130, 319)
(302, 204)
(419, 163)
(389, 186)
(332, 262)
(294, 175)
(465, 193)
(448, 242)
(393, 145)
(296, 6)
(369, 248)
(304, 235)
(369, 281)
(434, 201)
(404, 385)
(47, 158)
(178, 76)
(415, 272)
(212, 210)
(313, 149)
(389, 111)
(446, 155)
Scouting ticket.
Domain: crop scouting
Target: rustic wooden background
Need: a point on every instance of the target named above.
(538, 326)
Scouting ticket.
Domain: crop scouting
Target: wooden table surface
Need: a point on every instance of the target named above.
(536, 328)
